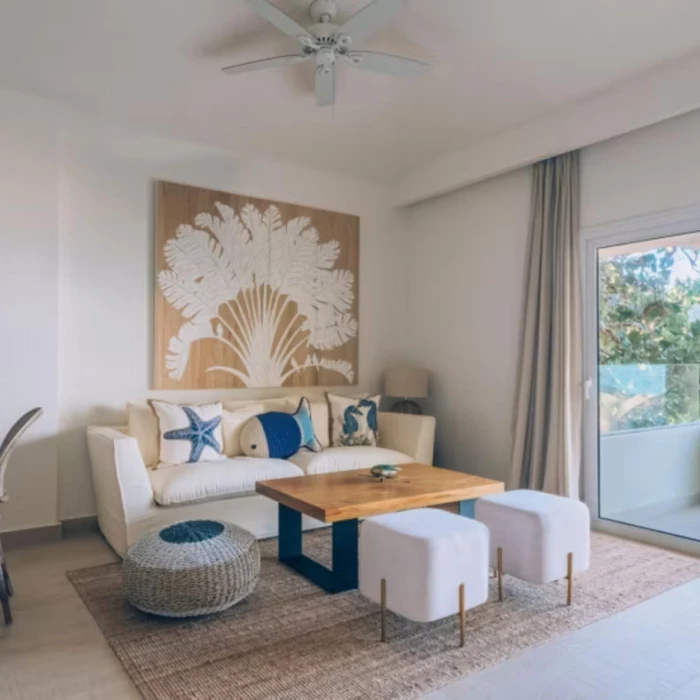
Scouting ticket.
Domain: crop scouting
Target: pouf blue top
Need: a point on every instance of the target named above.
(191, 531)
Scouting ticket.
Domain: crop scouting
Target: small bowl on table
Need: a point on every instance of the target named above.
(384, 471)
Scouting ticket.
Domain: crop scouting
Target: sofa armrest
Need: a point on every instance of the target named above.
(413, 435)
(122, 487)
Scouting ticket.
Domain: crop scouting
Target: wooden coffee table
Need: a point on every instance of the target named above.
(341, 498)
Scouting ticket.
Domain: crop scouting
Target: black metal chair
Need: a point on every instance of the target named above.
(8, 444)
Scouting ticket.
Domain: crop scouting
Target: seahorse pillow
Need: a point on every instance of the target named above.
(353, 421)
(189, 434)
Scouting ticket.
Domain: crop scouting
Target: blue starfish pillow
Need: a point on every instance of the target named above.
(277, 435)
(189, 434)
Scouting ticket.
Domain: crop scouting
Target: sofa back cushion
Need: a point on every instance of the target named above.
(320, 417)
(143, 425)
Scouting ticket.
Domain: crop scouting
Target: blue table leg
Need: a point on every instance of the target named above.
(466, 508)
(289, 527)
(345, 555)
(344, 573)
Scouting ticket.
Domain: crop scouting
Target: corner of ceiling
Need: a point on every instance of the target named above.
(665, 92)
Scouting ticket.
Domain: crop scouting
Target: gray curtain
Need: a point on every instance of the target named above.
(548, 408)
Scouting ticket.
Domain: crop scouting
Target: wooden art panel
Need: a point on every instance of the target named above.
(253, 293)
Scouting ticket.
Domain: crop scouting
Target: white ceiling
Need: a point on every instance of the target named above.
(154, 64)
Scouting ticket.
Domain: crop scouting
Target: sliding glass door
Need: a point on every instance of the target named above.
(644, 376)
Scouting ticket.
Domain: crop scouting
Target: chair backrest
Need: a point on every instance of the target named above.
(11, 440)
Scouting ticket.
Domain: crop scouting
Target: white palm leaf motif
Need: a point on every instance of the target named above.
(236, 279)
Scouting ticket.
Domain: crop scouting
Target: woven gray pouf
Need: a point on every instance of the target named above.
(191, 568)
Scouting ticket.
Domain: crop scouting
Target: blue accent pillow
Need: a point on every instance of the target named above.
(277, 435)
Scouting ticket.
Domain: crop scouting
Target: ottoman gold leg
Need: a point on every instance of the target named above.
(461, 615)
(499, 572)
(383, 618)
(569, 578)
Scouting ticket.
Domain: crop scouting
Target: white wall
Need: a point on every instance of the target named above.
(649, 170)
(29, 305)
(76, 237)
(468, 261)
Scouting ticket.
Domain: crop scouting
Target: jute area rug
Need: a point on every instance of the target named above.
(289, 640)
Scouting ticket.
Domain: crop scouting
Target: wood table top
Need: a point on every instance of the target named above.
(356, 494)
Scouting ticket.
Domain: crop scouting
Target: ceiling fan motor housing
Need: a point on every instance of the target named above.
(325, 33)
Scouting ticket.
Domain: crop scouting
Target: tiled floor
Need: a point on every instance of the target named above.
(55, 650)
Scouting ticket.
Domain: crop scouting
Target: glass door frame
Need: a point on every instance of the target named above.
(627, 231)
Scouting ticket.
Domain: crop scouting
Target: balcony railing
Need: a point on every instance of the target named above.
(634, 397)
(649, 440)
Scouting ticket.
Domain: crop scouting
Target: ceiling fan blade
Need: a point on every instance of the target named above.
(282, 21)
(386, 63)
(369, 20)
(265, 63)
(325, 86)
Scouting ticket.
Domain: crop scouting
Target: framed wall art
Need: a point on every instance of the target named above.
(252, 292)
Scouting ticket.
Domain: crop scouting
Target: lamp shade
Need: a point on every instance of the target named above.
(406, 382)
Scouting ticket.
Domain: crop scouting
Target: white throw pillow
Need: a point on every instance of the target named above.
(189, 434)
(232, 422)
(353, 421)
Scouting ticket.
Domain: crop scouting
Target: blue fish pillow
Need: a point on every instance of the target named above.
(277, 435)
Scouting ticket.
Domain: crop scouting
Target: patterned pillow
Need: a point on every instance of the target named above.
(353, 421)
(278, 435)
(189, 433)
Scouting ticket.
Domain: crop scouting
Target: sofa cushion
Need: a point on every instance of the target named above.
(283, 403)
(340, 459)
(321, 420)
(143, 425)
(188, 483)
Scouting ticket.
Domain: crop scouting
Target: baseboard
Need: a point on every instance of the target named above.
(49, 533)
(657, 539)
(32, 535)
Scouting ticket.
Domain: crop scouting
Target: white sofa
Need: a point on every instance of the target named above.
(133, 499)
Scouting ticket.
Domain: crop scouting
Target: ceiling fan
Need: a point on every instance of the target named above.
(327, 43)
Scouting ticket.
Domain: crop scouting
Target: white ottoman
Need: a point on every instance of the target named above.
(424, 564)
(535, 536)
